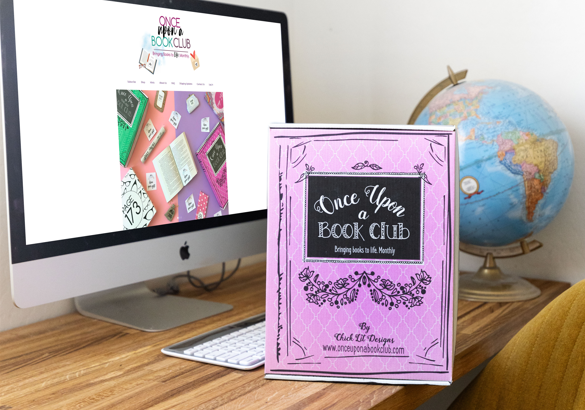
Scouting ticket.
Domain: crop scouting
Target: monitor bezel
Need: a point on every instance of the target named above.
(19, 250)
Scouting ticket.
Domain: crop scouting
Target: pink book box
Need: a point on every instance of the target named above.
(362, 253)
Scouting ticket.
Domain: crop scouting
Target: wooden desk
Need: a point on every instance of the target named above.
(73, 362)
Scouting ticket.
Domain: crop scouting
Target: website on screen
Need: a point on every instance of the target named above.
(135, 116)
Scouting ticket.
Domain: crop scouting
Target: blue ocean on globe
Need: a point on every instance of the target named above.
(516, 159)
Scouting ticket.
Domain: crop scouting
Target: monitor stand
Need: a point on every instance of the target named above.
(138, 307)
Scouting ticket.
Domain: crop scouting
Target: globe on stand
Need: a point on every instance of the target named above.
(516, 168)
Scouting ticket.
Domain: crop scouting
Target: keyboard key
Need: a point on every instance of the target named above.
(239, 357)
(251, 360)
(225, 357)
(227, 337)
(213, 355)
(202, 353)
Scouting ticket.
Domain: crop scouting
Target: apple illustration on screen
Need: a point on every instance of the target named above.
(184, 251)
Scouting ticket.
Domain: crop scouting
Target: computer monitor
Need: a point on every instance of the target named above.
(125, 122)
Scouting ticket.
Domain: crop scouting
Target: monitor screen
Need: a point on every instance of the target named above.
(136, 122)
(131, 128)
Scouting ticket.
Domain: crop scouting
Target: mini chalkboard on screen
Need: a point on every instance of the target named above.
(216, 154)
(127, 104)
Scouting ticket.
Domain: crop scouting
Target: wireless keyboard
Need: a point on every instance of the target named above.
(239, 345)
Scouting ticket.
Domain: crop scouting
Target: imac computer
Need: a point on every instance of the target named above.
(135, 141)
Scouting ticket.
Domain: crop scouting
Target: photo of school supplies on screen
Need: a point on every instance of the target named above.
(160, 146)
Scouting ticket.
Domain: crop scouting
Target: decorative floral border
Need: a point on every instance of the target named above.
(366, 164)
(423, 175)
(384, 292)
(283, 263)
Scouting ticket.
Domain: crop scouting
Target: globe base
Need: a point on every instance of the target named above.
(490, 284)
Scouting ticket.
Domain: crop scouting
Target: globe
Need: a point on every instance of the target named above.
(515, 155)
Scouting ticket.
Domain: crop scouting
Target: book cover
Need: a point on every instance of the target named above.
(362, 254)
(212, 157)
(137, 208)
(131, 107)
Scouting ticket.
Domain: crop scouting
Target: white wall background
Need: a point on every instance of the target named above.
(372, 61)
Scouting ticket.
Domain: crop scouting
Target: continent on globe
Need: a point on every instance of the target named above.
(513, 145)
(452, 108)
(534, 158)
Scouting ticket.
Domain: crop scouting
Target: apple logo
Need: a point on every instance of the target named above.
(184, 251)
